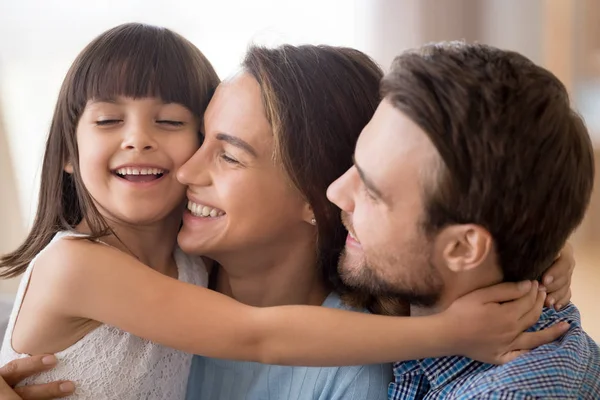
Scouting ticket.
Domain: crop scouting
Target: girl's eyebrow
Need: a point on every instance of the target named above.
(110, 100)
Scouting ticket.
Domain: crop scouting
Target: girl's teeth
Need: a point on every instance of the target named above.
(198, 210)
(140, 171)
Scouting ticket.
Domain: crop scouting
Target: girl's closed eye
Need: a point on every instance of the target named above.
(170, 122)
(108, 122)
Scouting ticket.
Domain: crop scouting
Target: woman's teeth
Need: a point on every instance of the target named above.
(198, 210)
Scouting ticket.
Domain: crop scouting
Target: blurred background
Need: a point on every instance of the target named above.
(39, 39)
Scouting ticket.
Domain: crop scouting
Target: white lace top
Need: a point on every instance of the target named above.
(109, 363)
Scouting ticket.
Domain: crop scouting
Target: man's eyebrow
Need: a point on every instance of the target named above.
(366, 180)
(237, 142)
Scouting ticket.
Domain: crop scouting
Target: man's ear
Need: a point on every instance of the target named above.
(464, 247)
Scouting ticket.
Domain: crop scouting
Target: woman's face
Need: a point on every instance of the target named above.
(240, 199)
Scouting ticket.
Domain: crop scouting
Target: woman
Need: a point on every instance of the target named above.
(276, 135)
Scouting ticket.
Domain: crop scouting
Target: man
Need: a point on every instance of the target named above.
(473, 160)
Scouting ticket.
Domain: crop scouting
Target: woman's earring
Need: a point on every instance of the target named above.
(313, 221)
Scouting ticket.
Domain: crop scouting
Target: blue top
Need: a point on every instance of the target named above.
(568, 368)
(215, 379)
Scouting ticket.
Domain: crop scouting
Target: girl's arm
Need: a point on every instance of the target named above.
(86, 280)
(557, 279)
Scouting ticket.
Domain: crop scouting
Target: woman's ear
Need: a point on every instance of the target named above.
(68, 168)
(308, 215)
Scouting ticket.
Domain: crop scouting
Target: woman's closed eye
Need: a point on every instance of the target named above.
(369, 194)
(228, 159)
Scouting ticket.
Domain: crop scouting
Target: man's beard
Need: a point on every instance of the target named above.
(421, 288)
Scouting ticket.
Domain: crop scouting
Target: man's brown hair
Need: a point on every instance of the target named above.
(515, 158)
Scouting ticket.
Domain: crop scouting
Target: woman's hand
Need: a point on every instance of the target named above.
(488, 324)
(17, 370)
(557, 279)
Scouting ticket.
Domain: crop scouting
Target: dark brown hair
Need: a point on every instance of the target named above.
(317, 100)
(132, 60)
(515, 158)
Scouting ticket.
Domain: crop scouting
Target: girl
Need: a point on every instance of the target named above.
(94, 289)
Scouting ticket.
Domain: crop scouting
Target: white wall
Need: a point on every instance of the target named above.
(12, 228)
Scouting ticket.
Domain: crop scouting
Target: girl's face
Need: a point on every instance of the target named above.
(240, 198)
(129, 153)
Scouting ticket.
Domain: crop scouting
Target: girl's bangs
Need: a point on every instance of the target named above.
(140, 65)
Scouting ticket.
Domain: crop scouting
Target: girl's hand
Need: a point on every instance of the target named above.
(488, 324)
(557, 279)
(17, 370)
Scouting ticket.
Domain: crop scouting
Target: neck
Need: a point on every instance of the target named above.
(279, 275)
(152, 244)
(459, 284)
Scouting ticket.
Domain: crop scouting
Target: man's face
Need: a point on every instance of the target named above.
(382, 202)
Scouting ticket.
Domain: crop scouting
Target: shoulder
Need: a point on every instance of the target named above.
(63, 258)
(70, 266)
(368, 382)
(566, 368)
(505, 394)
(74, 257)
(365, 382)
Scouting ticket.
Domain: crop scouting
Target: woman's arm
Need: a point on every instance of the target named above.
(85, 280)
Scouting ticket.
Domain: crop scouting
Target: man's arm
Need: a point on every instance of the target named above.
(17, 370)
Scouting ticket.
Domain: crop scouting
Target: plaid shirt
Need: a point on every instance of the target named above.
(568, 368)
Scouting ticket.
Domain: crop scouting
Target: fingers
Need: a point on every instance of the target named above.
(563, 301)
(557, 280)
(531, 340)
(503, 292)
(6, 392)
(53, 390)
(511, 355)
(561, 296)
(558, 277)
(532, 315)
(522, 306)
(17, 370)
